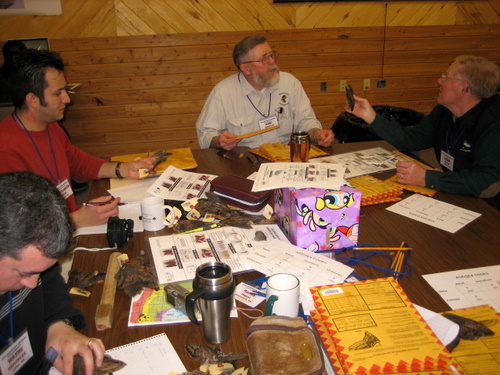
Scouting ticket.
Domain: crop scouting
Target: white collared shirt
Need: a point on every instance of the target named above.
(234, 105)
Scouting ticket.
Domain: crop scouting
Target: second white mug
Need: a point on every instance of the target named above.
(153, 214)
(282, 295)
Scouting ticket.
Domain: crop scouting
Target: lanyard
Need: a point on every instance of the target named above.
(447, 140)
(268, 110)
(253, 105)
(18, 120)
(11, 322)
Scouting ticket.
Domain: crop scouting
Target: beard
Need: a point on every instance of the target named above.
(268, 79)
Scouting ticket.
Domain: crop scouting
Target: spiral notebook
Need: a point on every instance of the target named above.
(154, 355)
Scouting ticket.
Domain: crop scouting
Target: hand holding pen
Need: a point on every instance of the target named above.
(96, 212)
(100, 203)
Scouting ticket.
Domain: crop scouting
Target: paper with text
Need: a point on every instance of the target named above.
(469, 287)
(177, 256)
(433, 212)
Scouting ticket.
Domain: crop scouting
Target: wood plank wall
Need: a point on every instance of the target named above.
(142, 93)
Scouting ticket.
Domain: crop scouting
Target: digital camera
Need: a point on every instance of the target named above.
(119, 231)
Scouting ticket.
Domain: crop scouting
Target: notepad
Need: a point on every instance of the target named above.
(154, 355)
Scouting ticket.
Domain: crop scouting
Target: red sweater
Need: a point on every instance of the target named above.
(17, 153)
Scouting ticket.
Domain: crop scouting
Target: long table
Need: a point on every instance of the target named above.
(435, 250)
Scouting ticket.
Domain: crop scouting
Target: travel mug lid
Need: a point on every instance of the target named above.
(299, 137)
(213, 276)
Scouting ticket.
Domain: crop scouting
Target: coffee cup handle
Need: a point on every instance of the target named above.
(270, 304)
(169, 223)
(190, 307)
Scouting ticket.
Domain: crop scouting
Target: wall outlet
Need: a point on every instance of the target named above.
(366, 84)
(343, 85)
(381, 84)
(322, 86)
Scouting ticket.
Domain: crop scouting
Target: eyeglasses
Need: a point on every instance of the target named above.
(265, 58)
(445, 77)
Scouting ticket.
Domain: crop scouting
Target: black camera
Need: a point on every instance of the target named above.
(119, 231)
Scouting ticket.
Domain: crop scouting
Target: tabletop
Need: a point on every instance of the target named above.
(435, 250)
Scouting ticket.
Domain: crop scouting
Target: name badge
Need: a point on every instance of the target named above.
(16, 354)
(268, 122)
(446, 160)
(65, 189)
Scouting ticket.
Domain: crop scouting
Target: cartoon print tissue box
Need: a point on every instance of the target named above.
(319, 219)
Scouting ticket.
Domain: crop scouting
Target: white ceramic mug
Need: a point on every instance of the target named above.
(153, 214)
(282, 295)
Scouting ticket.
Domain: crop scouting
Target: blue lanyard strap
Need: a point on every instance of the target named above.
(11, 322)
(268, 110)
(18, 120)
(253, 105)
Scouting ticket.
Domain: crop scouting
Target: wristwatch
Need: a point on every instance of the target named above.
(117, 170)
(69, 322)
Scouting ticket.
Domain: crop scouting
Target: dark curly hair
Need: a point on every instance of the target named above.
(32, 212)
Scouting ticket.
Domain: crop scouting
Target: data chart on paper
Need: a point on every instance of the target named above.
(433, 212)
(469, 287)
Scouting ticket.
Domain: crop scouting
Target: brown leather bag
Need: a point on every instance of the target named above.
(279, 345)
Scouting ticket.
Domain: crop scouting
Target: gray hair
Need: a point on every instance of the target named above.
(244, 46)
(482, 75)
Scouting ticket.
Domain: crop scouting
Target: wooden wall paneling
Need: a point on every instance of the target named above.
(105, 18)
(141, 93)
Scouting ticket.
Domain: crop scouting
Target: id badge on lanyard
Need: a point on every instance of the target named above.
(65, 189)
(446, 160)
(268, 122)
(16, 354)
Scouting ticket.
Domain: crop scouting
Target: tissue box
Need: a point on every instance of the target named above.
(319, 219)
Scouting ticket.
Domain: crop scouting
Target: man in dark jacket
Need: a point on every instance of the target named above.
(35, 307)
(463, 129)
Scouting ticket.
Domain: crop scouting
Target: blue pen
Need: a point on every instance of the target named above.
(258, 281)
(260, 294)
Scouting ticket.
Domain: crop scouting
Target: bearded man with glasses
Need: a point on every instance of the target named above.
(257, 97)
(463, 129)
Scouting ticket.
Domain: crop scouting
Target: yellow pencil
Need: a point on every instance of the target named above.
(367, 248)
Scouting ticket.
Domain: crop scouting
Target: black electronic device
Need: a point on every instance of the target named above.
(119, 231)
(349, 92)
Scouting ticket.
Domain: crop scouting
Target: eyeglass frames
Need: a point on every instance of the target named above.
(445, 77)
(265, 58)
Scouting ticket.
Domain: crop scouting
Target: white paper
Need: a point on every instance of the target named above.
(361, 162)
(445, 329)
(133, 192)
(177, 256)
(438, 214)
(178, 185)
(311, 269)
(154, 355)
(468, 288)
(128, 211)
(298, 175)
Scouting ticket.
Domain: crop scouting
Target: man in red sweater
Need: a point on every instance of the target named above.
(31, 139)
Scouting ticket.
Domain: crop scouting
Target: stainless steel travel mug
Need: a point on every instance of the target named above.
(299, 147)
(213, 288)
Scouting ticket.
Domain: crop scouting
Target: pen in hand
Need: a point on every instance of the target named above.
(99, 204)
